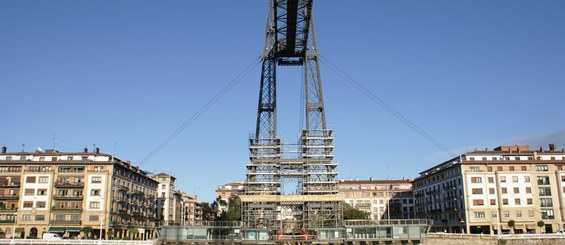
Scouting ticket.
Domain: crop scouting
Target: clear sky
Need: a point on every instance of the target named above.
(125, 74)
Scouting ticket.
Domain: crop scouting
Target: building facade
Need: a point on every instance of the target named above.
(191, 211)
(487, 191)
(165, 199)
(64, 192)
(224, 192)
(383, 199)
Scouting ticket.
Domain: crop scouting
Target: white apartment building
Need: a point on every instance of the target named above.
(383, 199)
(486, 191)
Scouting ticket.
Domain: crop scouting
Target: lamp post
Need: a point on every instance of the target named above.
(101, 224)
(14, 229)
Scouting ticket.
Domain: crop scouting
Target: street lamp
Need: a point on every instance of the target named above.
(14, 229)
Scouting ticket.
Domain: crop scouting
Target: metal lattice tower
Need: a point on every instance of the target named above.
(316, 203)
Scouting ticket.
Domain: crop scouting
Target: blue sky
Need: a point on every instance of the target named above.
(125, 74)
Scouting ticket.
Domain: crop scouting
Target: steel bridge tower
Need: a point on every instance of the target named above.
(315, 203)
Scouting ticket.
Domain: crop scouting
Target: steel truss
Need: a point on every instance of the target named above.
(290, 41)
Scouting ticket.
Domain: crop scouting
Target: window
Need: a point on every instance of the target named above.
(518, 214)
(26, 217)
(499, 168)
(512, 168)
(30, 179)
(528, 189)
(479, 215)
(494, 215)
(546, 202)
(28, 204)
(40, 217)
(478, 202)
(527, 179)
(517, 201)
(475, 169)
(42, 192)
(541, 168)
(531, 213)
(505, 201)
(543, 180)
(504, 190)
(524, 168)
(492, 201)
(529, 201)
(95, 192)
(40, 204)
(503, 179)
(506, 214)
(547, 214)
(477, 191)
(490, 179)
(516, 190)
(93, 218)
(514, 179)
(489, 169)
(544, 191)
(43, 179)
(94, 204)
(476, 180)
(490, 190)
(96, 179)
(29, 192)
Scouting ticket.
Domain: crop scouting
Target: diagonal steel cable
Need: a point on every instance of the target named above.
(201, 111)
(384, 105)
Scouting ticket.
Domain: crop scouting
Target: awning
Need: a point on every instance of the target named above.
(64, 229)
(73, 229)
(57, 229)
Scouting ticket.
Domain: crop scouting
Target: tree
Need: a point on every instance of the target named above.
(511, 224)
(207, 212)
(234, 209)
(541, 224)
(87, 231)
(350, 212)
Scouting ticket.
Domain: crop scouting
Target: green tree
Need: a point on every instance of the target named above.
(511, 224)
(349, 212)
(234, 209)
(207, 212)
(87, 231)
(541, 224)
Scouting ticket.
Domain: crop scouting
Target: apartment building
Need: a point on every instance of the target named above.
(191, 210)
(64, 192)
(224, 192)
(486, 191)
(383, 199)
(166, 199)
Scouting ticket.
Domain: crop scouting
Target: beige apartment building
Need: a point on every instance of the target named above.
(483, 190)
(64, 192)
(383, 199)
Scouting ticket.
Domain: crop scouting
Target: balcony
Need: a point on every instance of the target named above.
(10, 185)
(9, 197)
(66, 209)
(8, 210)
(65, 222)
(67, 197)
(7, 221)
(69, 185)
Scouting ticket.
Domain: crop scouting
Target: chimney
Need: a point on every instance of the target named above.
(552, 147)
(4, 149)
(541, 149)
(97, 150)
(85, 149)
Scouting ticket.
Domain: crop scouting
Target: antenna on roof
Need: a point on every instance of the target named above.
(54, 142)
(23, 147)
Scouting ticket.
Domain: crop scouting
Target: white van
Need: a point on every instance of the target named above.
(51, 236)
